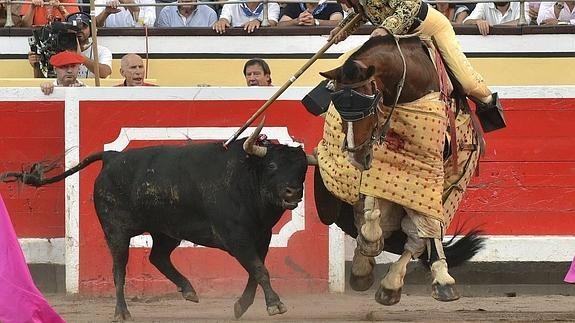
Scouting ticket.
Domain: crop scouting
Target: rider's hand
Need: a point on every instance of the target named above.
(33, 58)
(220, 26)
(252, 25)
(379, 32)
(333, 33)
(483, 26)
(38, 3)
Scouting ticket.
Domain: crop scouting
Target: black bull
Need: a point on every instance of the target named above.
(200, 192)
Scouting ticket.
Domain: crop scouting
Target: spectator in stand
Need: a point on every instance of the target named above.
(561, 12)
(257, 73)
(133, 70)
(495, 13)
(39, 13)
(311, 14)
(66, 64)
(16, 19)
(246, 15)
(188, 14)
(454, 12)
(114, 15)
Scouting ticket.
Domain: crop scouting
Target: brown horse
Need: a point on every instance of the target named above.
(385, 72)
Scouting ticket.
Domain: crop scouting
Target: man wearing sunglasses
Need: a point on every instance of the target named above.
(410, 16)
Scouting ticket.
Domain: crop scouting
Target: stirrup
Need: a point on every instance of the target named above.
(490, 114)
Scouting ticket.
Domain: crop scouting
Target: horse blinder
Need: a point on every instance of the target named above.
(353, 105)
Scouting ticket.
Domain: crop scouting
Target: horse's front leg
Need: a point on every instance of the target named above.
(361, 277)
(443, 285)
(369, 238)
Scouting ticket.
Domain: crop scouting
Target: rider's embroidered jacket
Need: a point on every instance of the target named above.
(397, 16)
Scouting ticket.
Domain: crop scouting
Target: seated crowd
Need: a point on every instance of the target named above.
(249, 16)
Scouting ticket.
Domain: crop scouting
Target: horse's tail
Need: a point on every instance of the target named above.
(461, 250)
(458, 251)
(34, 176)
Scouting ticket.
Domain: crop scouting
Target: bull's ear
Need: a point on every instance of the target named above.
(331, 75)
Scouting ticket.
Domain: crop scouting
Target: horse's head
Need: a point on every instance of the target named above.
(356, 98)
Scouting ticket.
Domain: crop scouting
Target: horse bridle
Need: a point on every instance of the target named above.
(365, 105)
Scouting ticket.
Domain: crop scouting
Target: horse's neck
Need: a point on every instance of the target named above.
(420, 75)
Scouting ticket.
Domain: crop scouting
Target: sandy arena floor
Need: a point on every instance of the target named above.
(346, 307)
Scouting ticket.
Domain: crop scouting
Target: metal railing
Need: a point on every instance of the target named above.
(265, 18)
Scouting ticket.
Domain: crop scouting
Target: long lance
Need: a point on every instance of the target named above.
(292, 79)
(94, 28)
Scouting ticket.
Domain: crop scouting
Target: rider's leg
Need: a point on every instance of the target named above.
(440, 29)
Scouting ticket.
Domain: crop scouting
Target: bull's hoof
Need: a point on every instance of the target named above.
(239, 309)
(369, 248)
(444, 293)
(361, 283)
(387, 297)
(279, 308)
(189, 294)
(122, 315)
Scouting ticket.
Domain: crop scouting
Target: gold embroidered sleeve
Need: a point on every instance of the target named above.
(403, 16)
(347, 19)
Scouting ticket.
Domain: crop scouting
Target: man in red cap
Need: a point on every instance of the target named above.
(66, 65)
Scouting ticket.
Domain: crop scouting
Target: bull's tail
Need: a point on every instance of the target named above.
(34, 176)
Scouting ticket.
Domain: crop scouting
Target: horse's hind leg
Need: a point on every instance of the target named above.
(443, 285)
(389, 291)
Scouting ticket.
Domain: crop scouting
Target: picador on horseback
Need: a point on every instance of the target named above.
(394, 146)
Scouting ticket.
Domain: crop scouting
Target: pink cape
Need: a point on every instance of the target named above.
(570, 277)
(20, 300)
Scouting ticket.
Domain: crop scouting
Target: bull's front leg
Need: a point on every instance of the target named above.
(247, 298)
(369, 240)
(243, 248)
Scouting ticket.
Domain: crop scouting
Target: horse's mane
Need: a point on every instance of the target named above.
(386, 40)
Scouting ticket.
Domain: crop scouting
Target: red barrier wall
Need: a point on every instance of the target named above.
(526, 184)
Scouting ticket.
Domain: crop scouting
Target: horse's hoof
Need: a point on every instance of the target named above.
(279, 308)
(122, 315)
(387, 297)
(361, 283)
(444, 293)
(239, 310)
(368, 248)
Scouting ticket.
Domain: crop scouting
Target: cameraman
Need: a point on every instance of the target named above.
(66, 65)
(84, 46)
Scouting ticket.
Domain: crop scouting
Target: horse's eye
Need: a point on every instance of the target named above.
(272, 166)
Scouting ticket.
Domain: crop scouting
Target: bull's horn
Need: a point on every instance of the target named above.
(249, 146)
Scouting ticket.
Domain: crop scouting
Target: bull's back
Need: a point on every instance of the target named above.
(163, 188)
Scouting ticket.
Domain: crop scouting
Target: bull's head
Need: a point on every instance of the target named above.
(282, 169)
